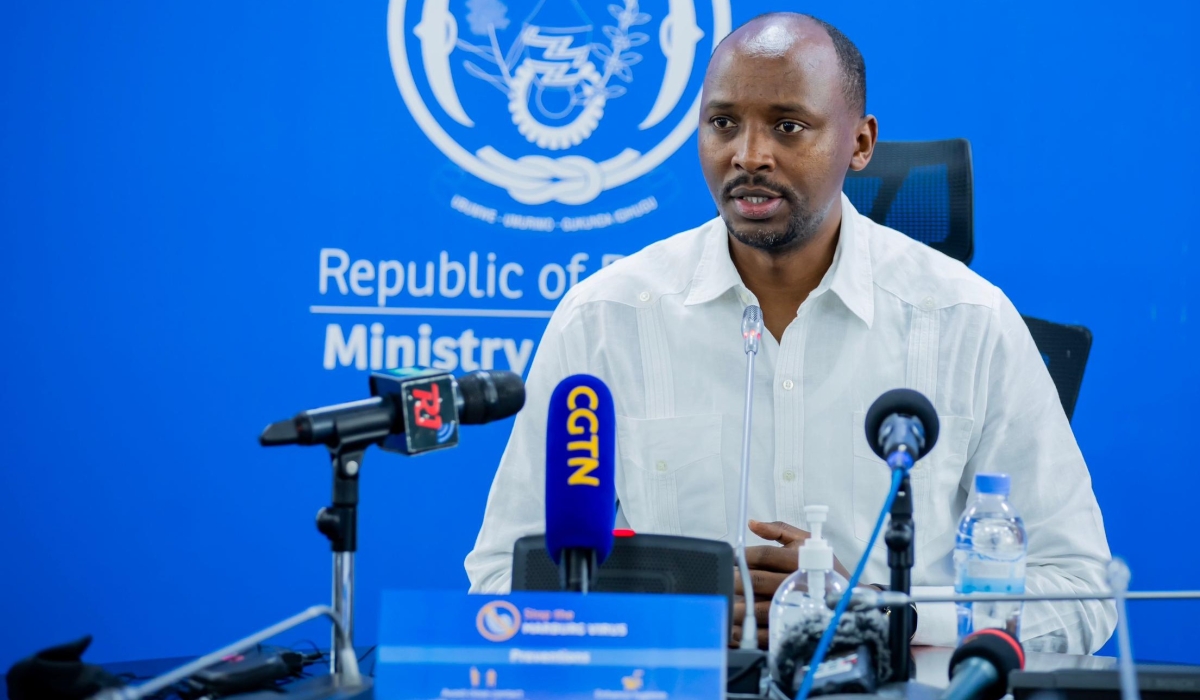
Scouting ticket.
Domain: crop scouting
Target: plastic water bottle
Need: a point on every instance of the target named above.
(989, 557)
(800, 602)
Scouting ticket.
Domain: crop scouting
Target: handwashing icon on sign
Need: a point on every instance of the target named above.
(490, 677)
(634, 681)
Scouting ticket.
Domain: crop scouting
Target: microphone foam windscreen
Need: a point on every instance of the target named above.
(906, 402)
(997, 647)
(855, 628)
(581, 494)
(490, 395)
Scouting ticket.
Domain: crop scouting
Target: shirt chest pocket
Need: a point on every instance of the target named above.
(670, 479)
(934, 480)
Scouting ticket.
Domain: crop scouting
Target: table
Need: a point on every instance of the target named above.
(932, 664)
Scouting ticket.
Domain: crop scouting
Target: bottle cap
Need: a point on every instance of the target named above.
(815, 553)
(993, 484)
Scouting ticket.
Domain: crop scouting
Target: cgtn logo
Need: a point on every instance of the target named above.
(498, 621)
(552, 106)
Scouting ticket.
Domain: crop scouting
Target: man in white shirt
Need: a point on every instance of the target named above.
(852, 309)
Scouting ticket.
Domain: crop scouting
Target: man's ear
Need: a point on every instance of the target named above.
(864, 142)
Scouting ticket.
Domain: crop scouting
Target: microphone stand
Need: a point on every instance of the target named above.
(339, 523)
(578, 570)
(899, 538)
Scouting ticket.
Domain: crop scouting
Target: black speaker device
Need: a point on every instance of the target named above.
(644, 563)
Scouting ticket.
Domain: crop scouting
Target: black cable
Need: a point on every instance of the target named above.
(756, 666)
(311, 643)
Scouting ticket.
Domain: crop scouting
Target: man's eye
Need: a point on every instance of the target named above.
(790, 127)
(721, 122)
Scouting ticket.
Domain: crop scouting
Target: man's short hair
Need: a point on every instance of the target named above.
(850, 60)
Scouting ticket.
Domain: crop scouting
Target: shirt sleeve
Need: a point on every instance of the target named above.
(516, 503)
(1027, 435)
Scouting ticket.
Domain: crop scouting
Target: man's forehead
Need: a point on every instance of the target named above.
(795, 47)
(776, 36)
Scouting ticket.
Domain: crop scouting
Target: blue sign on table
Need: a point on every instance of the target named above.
(601, 646)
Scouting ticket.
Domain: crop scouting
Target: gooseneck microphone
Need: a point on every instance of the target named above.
(1118, 582)
(752, 327)
(868, 598)
(581, 493)
(979, 667)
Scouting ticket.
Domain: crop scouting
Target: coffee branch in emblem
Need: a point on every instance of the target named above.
(546, 71)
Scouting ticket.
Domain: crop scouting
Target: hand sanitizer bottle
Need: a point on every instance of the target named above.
(801, 598)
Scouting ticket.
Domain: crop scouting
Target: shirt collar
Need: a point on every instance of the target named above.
(850, 275)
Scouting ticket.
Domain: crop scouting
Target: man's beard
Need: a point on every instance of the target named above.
(801, 226)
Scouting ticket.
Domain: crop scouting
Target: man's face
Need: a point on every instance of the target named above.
(776, 133)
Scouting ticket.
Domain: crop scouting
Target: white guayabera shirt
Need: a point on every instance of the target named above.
(662, 329)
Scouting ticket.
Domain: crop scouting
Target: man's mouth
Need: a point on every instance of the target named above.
(756, 205)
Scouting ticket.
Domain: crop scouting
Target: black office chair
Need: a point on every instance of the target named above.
(1065, 350)
(924, 189)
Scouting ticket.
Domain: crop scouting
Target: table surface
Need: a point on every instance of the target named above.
(932, 664)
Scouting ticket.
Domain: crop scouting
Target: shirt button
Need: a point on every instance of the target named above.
(660, 465)
(789, 475)
(644, 296)
(788, 384)
(929, 303)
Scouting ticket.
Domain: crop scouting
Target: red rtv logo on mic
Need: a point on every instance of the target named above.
(427, 406)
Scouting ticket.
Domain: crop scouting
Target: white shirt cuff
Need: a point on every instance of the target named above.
(937, 623)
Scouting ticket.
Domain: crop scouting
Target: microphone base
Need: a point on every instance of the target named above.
(318, 688)
(744, 671)
(910, 690)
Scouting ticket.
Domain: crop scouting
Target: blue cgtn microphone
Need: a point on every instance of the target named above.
(902, 427)
(580, 491)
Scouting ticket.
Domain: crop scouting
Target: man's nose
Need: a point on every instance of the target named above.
(753, 152)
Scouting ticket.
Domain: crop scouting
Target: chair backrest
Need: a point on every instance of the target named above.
(1065, 350)
(923, 189)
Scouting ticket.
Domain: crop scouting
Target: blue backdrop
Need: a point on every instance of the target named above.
(184, 189)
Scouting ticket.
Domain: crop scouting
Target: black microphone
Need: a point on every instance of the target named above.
(411, 411)
(980, 666)
(902, 427)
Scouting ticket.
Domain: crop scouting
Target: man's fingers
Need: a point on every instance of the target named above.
(735, 637)
(762, 611)
(778, 531)
(771, 558)
(765, 582)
